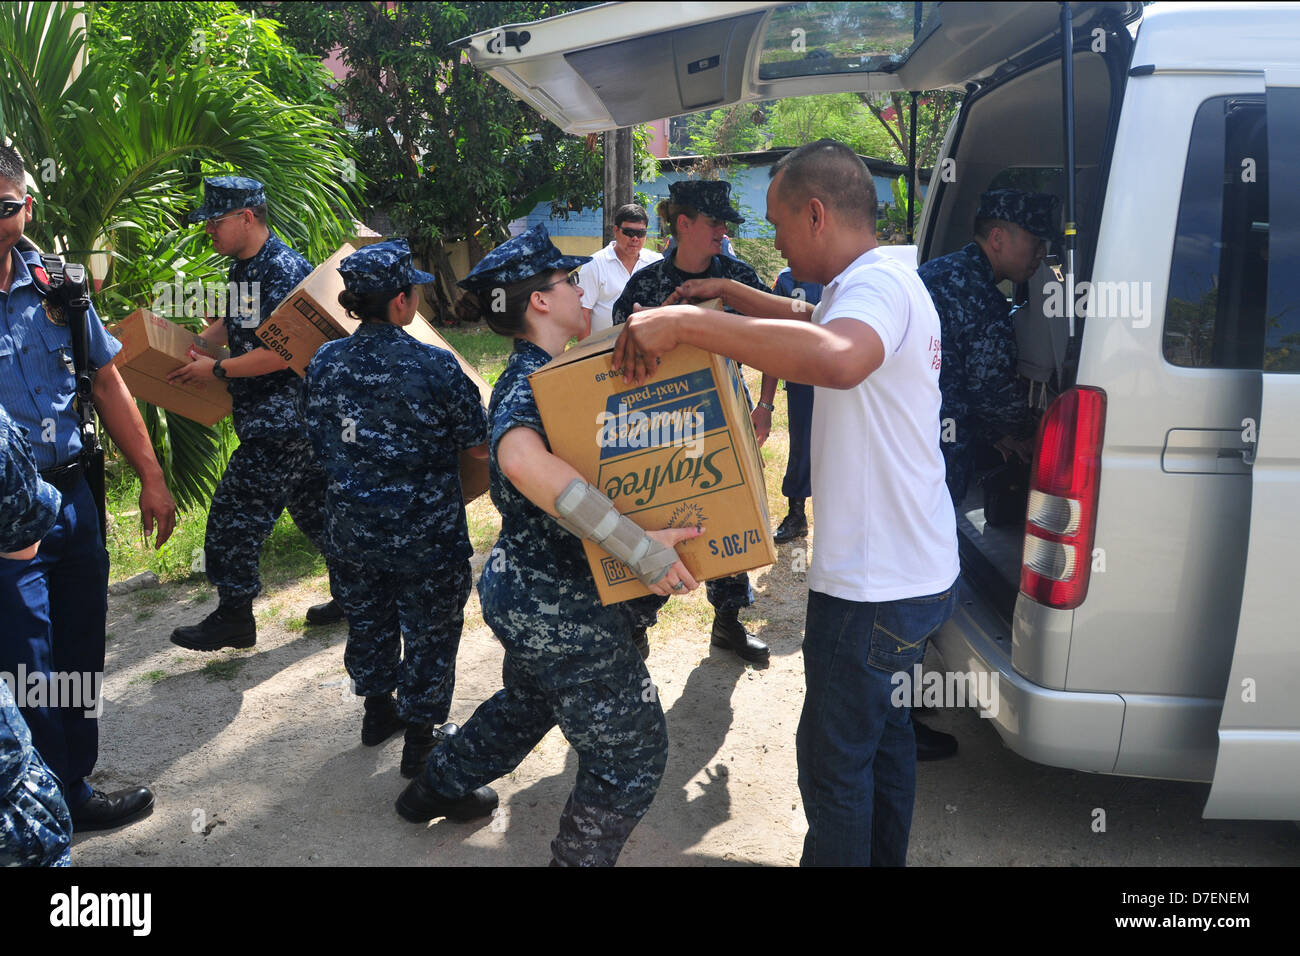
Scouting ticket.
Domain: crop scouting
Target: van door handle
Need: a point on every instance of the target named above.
(1246, 456)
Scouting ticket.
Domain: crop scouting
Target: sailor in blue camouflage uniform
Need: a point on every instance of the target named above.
(569, 660)
(985, 402)
(389, 416)
(35, 828)
(274, 465)
(696, 213)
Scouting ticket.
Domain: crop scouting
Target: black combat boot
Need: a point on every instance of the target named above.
(381, 720)
(421, 739)
(419, 803)
(230, 625)
(795, 524)
(728, 632)
(328, 613)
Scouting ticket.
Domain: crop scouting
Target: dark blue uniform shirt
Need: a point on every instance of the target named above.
(389, 417)
(264, 405)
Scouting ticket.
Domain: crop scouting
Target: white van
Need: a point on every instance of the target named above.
(1138, 619)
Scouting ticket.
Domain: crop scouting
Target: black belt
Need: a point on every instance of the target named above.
(65, 477)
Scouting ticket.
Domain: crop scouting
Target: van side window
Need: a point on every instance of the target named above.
(1218, 279)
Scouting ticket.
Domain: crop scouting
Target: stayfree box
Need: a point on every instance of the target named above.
(677, 451)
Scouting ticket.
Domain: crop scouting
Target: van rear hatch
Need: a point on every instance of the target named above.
(573, 69)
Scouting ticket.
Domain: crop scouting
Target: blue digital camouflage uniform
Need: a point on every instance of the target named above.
(983, 395)
(797, 482)
(53, 607)
(650, 287)
(569, 660)
(274, 466)
(35, 828)
(389, 416)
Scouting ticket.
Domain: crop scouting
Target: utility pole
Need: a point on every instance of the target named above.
(618, 176)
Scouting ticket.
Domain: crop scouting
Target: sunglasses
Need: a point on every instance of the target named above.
(10, 207)
(571, 279)
(633, 233)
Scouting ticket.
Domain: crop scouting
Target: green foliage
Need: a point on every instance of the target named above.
(841, 116)
(935, 110)
(762, 255)
(733, 129)
(872, 125)
(219, 35)
(117, 154)
(450, 154)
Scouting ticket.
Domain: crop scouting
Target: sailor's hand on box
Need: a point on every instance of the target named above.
(197, 371)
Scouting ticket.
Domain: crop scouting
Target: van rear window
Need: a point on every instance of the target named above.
(1218, 278)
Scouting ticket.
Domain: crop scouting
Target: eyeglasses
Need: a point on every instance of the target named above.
(220, 219)
(632, 233)
(571, 278)
(9, 207)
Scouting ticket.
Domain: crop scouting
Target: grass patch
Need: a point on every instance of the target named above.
(150, 677)
(482, 348)
(150, 596)
(223, 668)
(127, 552)
(144, 615)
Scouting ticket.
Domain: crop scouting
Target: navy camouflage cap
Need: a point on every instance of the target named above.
(381, 267)
(1033, 212)
(522, 257)
(709, 196)
(223, 194)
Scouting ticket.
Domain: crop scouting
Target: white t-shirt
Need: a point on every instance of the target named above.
(885, 524)
(602, 280)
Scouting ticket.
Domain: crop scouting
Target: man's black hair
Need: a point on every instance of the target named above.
(631, 212)
(830, 171)
(11, 168)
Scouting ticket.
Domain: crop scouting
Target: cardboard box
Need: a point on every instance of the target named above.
(310, 316)
(678, 451)
(152, 347)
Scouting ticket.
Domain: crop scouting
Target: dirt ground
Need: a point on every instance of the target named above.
(255, 757)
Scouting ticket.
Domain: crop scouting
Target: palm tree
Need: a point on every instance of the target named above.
(117, 158)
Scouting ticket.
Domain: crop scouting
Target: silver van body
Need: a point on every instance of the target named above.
(1182, 657)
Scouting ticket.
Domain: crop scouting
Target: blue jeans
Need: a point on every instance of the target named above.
(856, 751)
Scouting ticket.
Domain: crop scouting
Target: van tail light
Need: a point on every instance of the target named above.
(1061, 518)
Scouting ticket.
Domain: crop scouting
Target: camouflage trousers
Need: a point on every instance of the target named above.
(265, 475)
(725, 594)
(423, 611)
(610, 715)
(35, 827)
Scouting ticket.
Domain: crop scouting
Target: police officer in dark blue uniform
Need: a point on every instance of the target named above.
(274, 466)
(797, 483)
(569, 659)
(389, 417)
(35, 828)
(53, 606)
(985, 402)
(697, 213)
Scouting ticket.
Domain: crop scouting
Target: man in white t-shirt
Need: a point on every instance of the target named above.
(603, 278)
(883, 574)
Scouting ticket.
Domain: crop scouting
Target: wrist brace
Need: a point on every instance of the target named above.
(587, 513)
